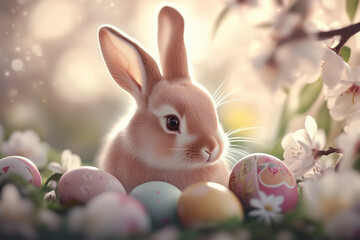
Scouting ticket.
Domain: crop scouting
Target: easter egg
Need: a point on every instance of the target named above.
(206, 203)
(263, 172)
(160, 200)
(20, 166)
(110, 214)
(84, 183)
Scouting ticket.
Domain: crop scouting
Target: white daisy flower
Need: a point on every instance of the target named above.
(299, 147)
(267, 207)
(69, 161)
(26, 144)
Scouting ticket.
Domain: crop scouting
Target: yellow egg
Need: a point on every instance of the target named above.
(205, 204)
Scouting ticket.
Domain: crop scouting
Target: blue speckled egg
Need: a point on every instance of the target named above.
(160, 200)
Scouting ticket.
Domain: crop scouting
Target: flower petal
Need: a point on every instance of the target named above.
(276, 217)
(311, 126)
(342, 107)
(55, 167)
(69, 160)
(295, 153)
(262, 196)
(302, 138)
(256, 203)
(335, 69)
(255, 213)
(320, 139)
(267, 219)
(288, 140)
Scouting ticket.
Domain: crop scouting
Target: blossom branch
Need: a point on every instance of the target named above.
(318, 153)
(344, 33)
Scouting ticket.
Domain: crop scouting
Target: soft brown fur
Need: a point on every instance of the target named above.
(143, 149)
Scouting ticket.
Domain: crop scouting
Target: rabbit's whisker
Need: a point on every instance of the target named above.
(231, 158)
(234, 131)
(229, 101)
(215, 94)
(245, 140)
(238, 151)
(238, 146)
(220, 101)
(218, 97)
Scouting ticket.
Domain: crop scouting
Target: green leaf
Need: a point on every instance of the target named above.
(357, 162)
(54, 177)
(351, 7)
(308, 95)
(324, 118)
(220, 19)
(345, 52)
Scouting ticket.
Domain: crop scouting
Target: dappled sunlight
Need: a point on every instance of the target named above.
(78, 71)
(54, 19)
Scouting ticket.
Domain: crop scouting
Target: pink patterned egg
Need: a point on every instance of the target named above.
(82, 184)
(266, 173)
(21, 166)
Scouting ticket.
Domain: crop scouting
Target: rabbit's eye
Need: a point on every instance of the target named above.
(172, 123)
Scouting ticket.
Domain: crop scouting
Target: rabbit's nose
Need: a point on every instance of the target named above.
(210, 144)
(211, 149)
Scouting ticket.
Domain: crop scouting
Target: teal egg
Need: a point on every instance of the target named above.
(160, 200)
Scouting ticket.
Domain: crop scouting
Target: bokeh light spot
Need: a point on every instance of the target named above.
(17, 65)
(53, 19)
(77, 78)
(37, 50)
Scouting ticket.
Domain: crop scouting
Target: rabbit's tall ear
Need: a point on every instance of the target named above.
(171, 44)
(129, 65)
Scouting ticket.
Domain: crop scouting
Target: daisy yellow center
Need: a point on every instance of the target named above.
(268, 207)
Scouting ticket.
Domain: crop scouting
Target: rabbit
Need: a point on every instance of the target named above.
(173, 133)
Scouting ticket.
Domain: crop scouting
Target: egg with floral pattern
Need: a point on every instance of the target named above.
(21, 166)
(263, 172)
(206, 204)
(160, 200)
(84, 183)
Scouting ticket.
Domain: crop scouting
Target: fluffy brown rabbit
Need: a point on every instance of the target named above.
(173, 133)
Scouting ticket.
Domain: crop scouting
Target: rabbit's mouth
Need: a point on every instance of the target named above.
(211, 157)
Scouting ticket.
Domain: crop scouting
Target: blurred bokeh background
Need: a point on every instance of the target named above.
(53, 80)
